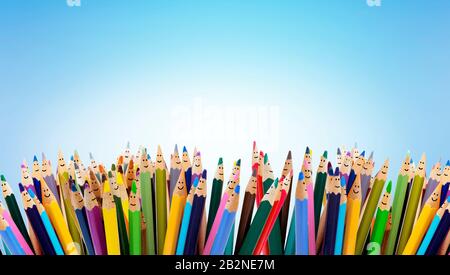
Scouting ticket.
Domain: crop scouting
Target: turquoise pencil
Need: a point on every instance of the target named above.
(186, 219)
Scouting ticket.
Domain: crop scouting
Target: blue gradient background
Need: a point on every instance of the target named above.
(93, 77)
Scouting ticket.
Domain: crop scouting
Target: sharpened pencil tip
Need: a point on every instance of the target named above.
(2, 177)
(389, 187)
(289, 155)
(21, 188)
(448, 163)
(220, 161)
(204, 174)
(301, 176)
(339, 151)
(35, 158)
(325, 154)
(238, 162)
(308, 151)
(184, 149)
(237, 189)
(363, 154)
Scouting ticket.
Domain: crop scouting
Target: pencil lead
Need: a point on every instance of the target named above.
(71, 158)
(336, 171)
(266, 158)
(371, 156)
(73, 187)
(21, 188)
(301, 176)
(2, 177)
(339, 151)
(254, 145)
(220, 161)
(43, 156)
(184, 149)
(35, 158)
(32, 195)
(389, 186)
(343, 182)
(308, 151)
(128, 145)
(110, 174)
(448, 163)
(204, 174)
(325, 154)
(237, 189)
(238, 162)
(133, 187)
(289, 155)
(356, 145)
(113, 167)
(175, 151)
(91, 156)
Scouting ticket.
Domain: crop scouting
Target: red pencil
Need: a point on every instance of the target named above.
(280, 197)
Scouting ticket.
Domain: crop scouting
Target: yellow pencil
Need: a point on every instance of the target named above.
(423, 222)
(57, 219)
(110, 221)
(175, 216)
(352, 217)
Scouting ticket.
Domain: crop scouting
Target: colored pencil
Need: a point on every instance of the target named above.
(357, 167)
(412, 204)
(126, 157)
(301, 217)
(15, 230)
(13, 207)
(273, 220)
(352, 217)
(63, 176)
(423, 222)
(216, 194)
(36, 221)
(47, 224)
(198, 207)
(123, 236)
(95, 222)
(439, 238)
(284, 214)
(433, 227)
(110, 220)
(161, 201)
(258, 222)
(259, 180)
(247, 208)
(381, 220)
(333, 192)
(338, 157)
(341, 219)
(397, 205)
(175, 215)
(235, 174)
(36, 177)
(319, 188)
(366, 176)
(58, 222)
(186, 219)
(433, 181)
(226, 224)
(78, 205)
(147, 201)
(346, 166)
(370, 207)
(121, 192)
(95, 186)
(49, 177)
(9, 239)
(134, 221)
(233, 181)
(187, 168)
(130, 174)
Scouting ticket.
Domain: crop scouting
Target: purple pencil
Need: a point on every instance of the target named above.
(95, 221)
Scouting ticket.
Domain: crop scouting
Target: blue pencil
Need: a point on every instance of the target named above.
(226, 225)
(432, 229)
(9, 239)
(301, 217)
(47, 224)
(341, 219)
(186, 219)
(80, 213)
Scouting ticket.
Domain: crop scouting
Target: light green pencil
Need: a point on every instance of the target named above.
(161, 201)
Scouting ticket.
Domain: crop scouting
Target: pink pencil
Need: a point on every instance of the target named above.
(311, 229)
(217, 220)
(15, 230)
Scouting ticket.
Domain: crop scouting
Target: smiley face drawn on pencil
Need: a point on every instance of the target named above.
(26, 179)
(287, 164)
(180, 187)
(220, 171)
(355, 190)
(251, 186)
(113, 184)
(94, 184)
(27, 200)
(197, 161)
(201, 187)
(61, 162)
(347, 162)
(433, 200)
(44, 167)
(384, 203)
(90, 201)
(6, 189)
(232, 202)
(127, 155)
(36, 168)
(159, 156)
(145, 163)
(322, 163)
(385, 168)
(421, 166)
(334, 185)
(255, 155)
(131, 174)
(368, 166)
(436, 172)
(185, 158)
(301, 192)
(77, 200)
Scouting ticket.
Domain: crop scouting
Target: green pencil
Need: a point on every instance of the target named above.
(397, 205)
(216, 195)
(257, 225)
(13, 208)
(370, 208)
(381, 221)
(134, 215)
(161, 201)
(145, 179)
(123, 234)
(319, 188)
(412, 205)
